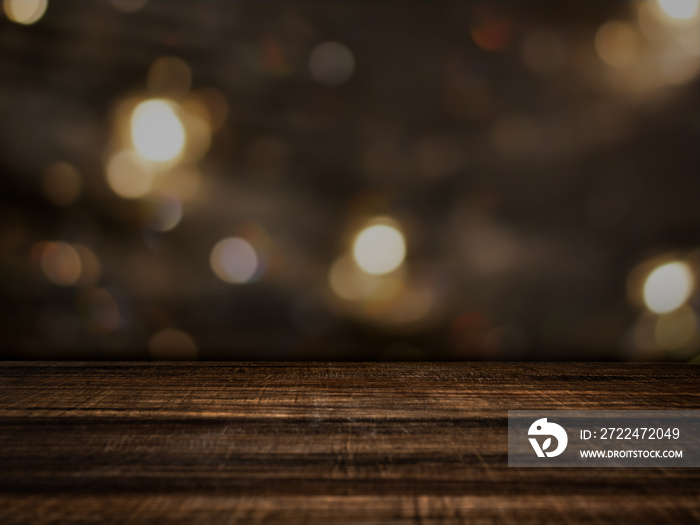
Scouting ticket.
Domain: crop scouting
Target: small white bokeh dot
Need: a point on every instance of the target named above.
(379, 249)
(331, 63)
(668, 287)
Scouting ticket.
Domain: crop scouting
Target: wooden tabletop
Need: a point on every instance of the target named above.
(319, 443)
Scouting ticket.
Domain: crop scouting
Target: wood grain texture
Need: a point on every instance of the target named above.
(319, 443)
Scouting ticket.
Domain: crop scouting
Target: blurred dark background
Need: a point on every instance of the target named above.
(349, 180)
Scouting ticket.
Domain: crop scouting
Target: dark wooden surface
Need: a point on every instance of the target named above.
(319, 443)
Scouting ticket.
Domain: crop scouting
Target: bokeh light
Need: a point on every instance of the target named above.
(392, 299)
(379, 249)
(350, 283)
(198, 136)
(183, 182)
(345, 280)
(672, 51)
(493, 35)
(172, 344)
(331, 63)
(234, 260)
(157, 133)
(679, 9)
(90, 266)
(62, 184)
(169, 77)
(61, 263)
(128, 175)
(668, 287)
(525, 158)
(100, 310)
(412, 305)
(25, 12)
(163, 212)
(617, 43)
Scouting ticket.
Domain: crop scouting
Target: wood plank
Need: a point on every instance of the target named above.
(320, 442)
